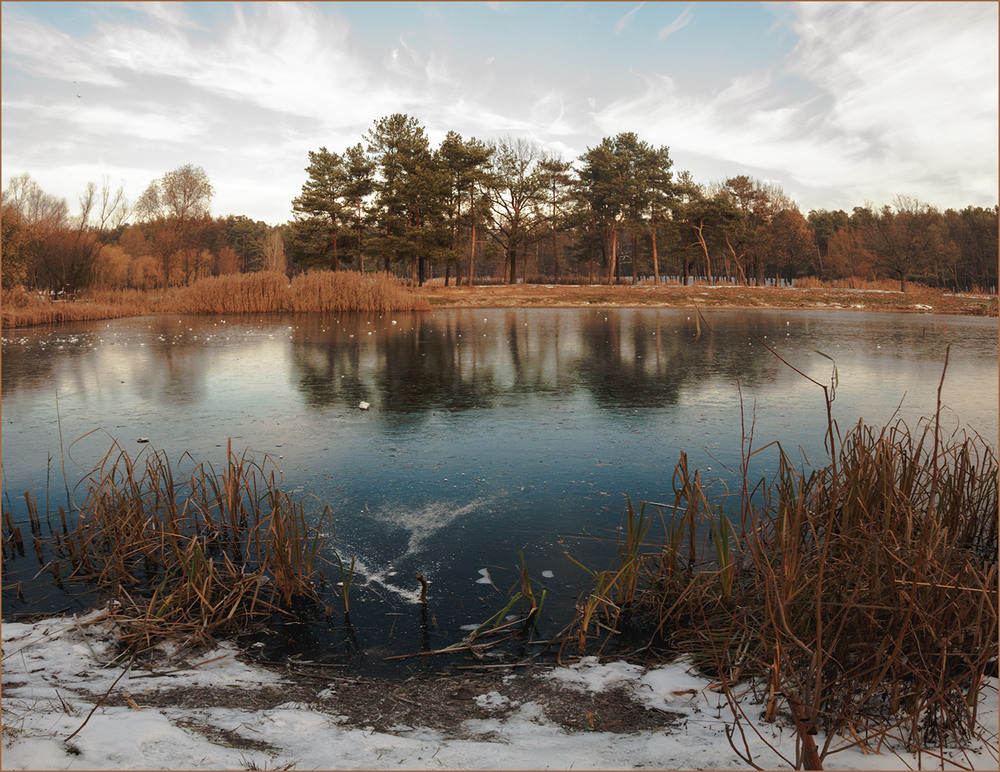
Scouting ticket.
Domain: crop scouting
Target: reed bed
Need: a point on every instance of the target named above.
(21, 308)
(351, 291)
(857, 283)
(263, 292)
(858, 599)
(235, 293)
(193, 556)
(316, 291)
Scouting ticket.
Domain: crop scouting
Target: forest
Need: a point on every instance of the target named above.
(502, 211)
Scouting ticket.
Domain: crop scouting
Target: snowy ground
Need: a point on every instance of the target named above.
(225, 714)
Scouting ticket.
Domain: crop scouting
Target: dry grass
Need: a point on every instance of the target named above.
(263, 292)
(860, 598)
(191, 557)
(231, 294)
(858, 283)
(24, 309)
(351, 291)
(316, 291)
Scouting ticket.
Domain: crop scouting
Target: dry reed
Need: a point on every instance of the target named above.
(21, 308)
(316, 291)
(351, 291)
(196, 556)
(857, 283)
(263, 292)
(862, 596)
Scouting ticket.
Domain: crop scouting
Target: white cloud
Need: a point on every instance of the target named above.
(677, 24)
(874, 100)
(624, 20)
(41, 50)
(900, 99)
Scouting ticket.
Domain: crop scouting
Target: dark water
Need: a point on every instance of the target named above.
(489, 432)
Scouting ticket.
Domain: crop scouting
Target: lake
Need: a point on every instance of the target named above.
(490, 431)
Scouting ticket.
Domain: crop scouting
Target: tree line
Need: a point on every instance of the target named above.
(477, 211)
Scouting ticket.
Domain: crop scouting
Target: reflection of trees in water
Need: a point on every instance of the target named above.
(176, 371)
(472, 359)
(155, 356)
(644, 360)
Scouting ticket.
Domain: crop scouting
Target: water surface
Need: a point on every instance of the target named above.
(489, 433)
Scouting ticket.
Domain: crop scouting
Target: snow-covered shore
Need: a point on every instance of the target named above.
(209, 716)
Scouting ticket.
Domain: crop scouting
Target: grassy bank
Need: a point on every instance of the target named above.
(317, 291)
(350, 291)
(824, 298)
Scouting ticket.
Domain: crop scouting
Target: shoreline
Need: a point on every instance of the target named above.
(435, 296)
(723, 296)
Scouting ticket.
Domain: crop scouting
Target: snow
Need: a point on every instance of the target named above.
(54, 676)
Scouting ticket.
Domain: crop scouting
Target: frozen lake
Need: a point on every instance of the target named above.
(489, 432)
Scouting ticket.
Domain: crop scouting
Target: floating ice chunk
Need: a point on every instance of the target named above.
(547, 574)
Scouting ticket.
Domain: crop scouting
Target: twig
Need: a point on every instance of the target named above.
(101, 701)
(181, 669)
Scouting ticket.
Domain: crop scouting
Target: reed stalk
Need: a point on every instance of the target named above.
(193, 556)
(860, 597)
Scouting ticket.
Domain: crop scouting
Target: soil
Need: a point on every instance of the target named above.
(916, 299)
(442, 703)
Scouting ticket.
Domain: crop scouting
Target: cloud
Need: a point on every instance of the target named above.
(875, 100)
(169, 13)
(677, 24)
(39, 49)
(624, 20)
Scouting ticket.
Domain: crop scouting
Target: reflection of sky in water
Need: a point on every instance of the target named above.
(490, 431)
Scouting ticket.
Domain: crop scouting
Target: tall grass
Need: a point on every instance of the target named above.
(860, 598)
(230, 294)
(315, 291)
(21, 308)
(857, 283)
(192, 556)
(263, 292)
(351, 291)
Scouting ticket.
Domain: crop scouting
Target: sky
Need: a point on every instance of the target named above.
(841, 104)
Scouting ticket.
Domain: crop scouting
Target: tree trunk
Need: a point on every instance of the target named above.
(555, 258)
(704, 248)
(656, 259)
(613, 257)
(738, 263)
(635, 262)
(472, 253)
(361, 257)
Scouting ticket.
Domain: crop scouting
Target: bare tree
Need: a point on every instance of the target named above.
(515, 187)
(172, 204)
(274, 252)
